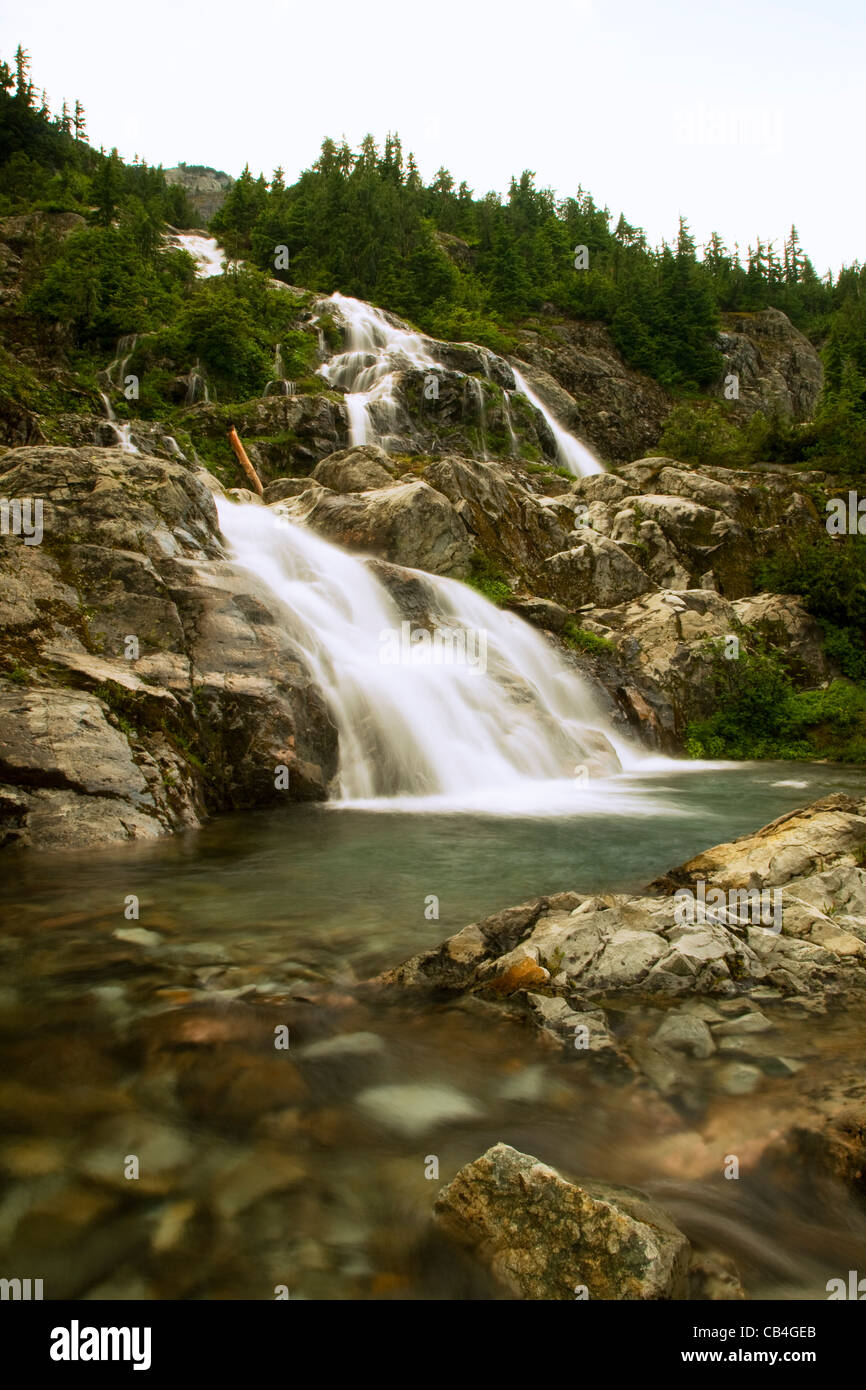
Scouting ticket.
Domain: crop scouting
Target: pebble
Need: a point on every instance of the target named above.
(344, 1045)
(138, 936)
(417, 1107)
(739, 1079)
(746, 1023)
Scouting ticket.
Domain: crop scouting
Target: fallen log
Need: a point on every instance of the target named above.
(243, 460)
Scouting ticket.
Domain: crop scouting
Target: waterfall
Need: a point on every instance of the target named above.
(570, 451)
(172, 445)
(278, 385)
(490, 719)
(515, 448)
(124, 350)
(122, 433)
(366, 371)
(376, 350)
(196, 386)
(205, 251)
(477, 391)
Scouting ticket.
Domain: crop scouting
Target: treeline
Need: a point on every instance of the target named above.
(46, 165)
(459, 266)
(466, 267)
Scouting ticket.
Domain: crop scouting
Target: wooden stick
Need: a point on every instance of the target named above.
(244, 462)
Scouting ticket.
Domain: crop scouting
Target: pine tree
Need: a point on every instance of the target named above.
(79, 122)
(107, 186)
(413, 178)
(65, 120)
(23, 85)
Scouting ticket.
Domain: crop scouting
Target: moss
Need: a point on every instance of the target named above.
(582, 641)
(17, 674)
(489, 579)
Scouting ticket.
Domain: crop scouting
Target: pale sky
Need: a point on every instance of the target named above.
(743, 116)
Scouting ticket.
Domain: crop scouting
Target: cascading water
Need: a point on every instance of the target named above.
(376, 350)
(477, 392)
(502, 726)
(574, 455)
(196, 386)
(122, 433)
(278, 385)
(205, 251)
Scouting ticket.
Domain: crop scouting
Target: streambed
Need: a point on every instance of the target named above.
(309, 1169)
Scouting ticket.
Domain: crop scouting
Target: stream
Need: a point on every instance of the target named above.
(314, 1171)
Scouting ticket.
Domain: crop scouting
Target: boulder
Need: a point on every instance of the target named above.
(544, 1237)
(362, 468)
(408, 523)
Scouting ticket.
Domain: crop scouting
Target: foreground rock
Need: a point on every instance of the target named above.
(543, 1237)
(703, 931)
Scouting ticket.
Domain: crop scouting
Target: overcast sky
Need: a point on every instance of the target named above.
(744, 117)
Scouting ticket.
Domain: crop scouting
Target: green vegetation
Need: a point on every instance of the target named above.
(489, 579)
(705, 432)
(460, 266)
(760, 715)
(582, 641)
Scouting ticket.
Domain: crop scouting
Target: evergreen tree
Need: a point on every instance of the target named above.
(23, 85)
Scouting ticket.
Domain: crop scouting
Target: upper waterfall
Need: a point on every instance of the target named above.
(377, 349)
(490, 718)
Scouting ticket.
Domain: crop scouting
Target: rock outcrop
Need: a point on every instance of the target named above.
(205, 188)
(776, 916)
(778, 370)
(144, 683)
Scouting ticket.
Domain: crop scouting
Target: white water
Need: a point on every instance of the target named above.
(376, 351)
(571, 452)
(205, 251)
(521, 737)
(122, 433)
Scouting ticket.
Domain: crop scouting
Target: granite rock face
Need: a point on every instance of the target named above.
(145, 684)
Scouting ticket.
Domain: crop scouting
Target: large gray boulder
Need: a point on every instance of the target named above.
(408, 523)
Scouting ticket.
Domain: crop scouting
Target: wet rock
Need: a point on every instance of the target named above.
(685, 1034)
(362, 468)
(793, 845)
(164, 1155)
(714, 1277)
(260, 1175)
(416, 1108)
(747, 1023)
(739, 1079)
(543, 1237)
(139, 936)
(405, 524)
(99, 745)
